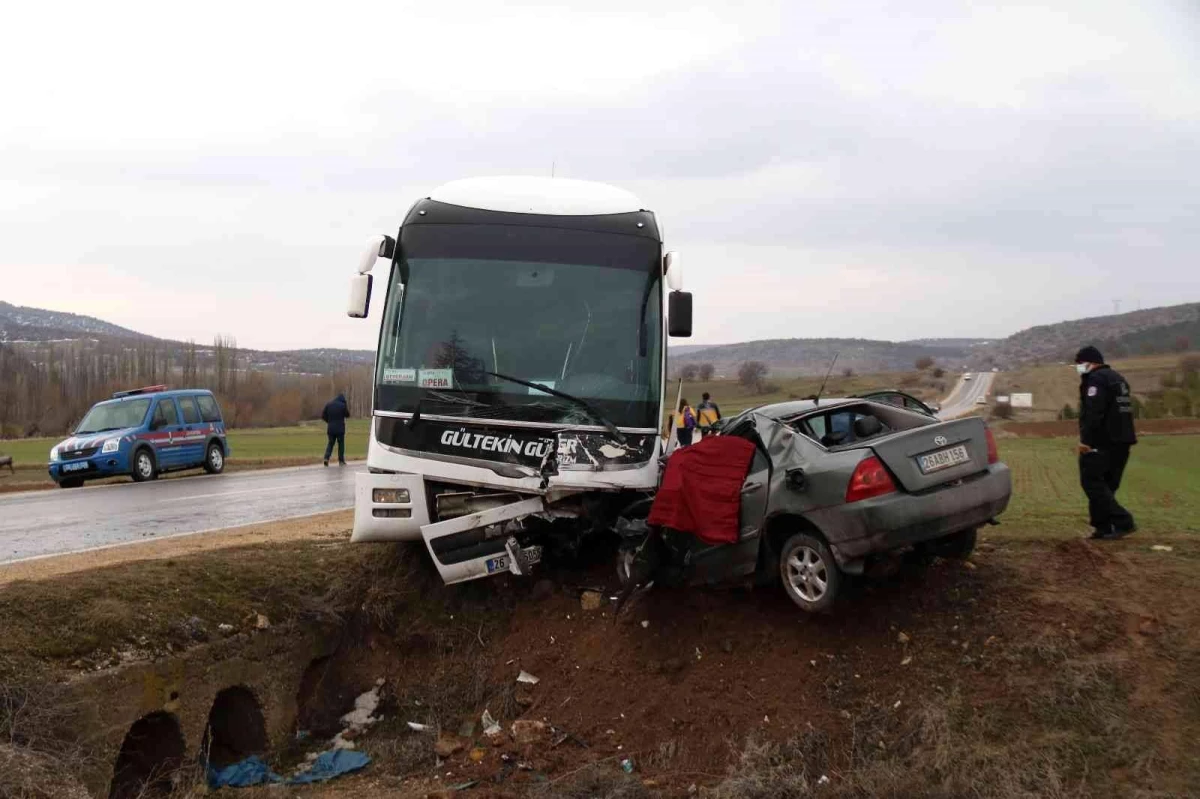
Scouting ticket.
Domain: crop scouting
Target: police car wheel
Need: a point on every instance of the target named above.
(144, 467)
(214, 460)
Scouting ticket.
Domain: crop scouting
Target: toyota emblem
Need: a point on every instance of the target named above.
(940, 441)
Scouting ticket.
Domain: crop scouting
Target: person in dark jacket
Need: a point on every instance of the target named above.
(335, 415)
(1105, 436)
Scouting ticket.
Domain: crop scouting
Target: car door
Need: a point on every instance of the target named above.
(165, 429)
(193, 432)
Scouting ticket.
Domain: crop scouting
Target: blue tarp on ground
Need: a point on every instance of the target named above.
(328, 765)
(254, 770)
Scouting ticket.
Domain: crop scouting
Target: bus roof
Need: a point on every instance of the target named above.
(531, 195)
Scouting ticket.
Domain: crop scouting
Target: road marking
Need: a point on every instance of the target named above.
(165, 537)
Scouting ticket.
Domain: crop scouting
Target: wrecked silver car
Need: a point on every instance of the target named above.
(830, 485)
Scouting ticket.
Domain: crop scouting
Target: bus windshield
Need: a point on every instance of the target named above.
(576, 311)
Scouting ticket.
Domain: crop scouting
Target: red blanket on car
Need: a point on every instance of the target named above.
(702, 489)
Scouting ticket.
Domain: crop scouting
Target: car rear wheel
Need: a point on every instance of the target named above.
(214, 461)
(71, 482)
(956, 546)
(809, 573)
(144, 467)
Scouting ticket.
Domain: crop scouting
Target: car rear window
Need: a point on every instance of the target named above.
(188, 406)
(209, 411)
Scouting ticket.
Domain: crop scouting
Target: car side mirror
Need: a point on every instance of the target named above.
(796, 479)
(360, 296)
(679, 314)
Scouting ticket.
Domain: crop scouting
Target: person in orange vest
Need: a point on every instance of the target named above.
(709, 414)
(685, 423)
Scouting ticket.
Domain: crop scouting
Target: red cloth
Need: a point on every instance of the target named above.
(701, 492)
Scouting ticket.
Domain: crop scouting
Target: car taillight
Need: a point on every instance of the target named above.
(870, 479)
(993, 453)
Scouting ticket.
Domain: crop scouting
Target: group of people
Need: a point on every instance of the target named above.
(688, 421)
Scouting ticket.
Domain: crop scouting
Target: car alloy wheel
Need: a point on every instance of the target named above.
(808, 574)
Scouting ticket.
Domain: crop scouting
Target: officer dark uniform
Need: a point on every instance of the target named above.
(1105, 436)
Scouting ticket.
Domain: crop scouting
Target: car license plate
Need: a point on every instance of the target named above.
(943, 459)
(82, 466)
(500, 564)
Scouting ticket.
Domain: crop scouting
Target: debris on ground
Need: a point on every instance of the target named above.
(491, 728)
(627, 765)
(415, 727)
(448, 745)
(358, 719)
(528, 731)
(903, 638)
(527, 678)
(261, 622)
(226, 629)
(1162, 548)
(591, 600)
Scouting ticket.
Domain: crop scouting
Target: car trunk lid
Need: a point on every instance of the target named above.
(932, 455)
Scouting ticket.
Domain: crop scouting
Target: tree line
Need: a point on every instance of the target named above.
(46, 388)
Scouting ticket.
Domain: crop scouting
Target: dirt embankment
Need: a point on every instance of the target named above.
(1039, 669)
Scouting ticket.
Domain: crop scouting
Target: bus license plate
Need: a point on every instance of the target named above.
(500, 564)
(943, 459)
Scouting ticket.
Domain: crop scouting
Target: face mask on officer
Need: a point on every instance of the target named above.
(1083, 368)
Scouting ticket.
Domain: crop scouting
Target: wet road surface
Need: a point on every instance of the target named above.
(39, 523)
(962, 399)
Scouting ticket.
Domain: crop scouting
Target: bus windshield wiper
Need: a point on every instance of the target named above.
(582, 403)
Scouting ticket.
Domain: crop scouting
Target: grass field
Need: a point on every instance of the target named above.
(1160, 488)
(1057, 385)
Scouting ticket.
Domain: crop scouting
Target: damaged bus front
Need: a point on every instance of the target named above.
(520, 370)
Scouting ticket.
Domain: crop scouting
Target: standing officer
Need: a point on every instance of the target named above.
(1105, 436)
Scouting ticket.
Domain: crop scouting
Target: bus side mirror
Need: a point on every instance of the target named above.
(679, 314)
(360, 296)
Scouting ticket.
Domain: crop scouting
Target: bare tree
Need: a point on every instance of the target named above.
(923, 363)
(706, 371)
(751, 375)
(689, 372)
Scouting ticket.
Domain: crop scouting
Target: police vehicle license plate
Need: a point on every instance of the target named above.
(943, 459)
(81, 466)
(500, 564)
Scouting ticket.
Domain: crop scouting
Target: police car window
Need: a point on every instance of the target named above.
(165, 413)
(209, 411)
(188, 406)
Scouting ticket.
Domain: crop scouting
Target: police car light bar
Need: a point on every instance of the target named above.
(143, 390)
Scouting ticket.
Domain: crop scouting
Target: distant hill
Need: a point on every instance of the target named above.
(31, 329)
(1146, 332)
(805, 356)
(22, 324)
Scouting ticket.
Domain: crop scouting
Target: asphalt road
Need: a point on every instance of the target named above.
(962, 399)
(40, 523)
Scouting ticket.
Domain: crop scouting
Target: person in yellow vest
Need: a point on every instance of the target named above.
(685, 423)
(708, 414)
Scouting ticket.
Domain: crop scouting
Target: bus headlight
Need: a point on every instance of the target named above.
(112, 445)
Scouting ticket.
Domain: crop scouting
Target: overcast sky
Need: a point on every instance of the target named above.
(873, 169)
